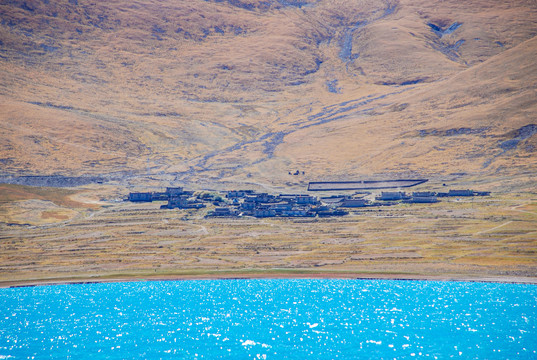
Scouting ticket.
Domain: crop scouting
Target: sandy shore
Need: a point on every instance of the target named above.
(266, 275)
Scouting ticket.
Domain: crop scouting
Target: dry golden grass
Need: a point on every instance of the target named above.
(210, 91)
(59, 196)
(457, 238)
(40, 205)
(211, 94)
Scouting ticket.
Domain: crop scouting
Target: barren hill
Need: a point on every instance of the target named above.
(248, 90)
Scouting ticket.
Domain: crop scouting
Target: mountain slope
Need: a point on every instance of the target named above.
(249, 90)
(463, 124)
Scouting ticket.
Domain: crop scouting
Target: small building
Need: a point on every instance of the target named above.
(261, 198)
(248, 205)
(250, 198)
(140, 197)
(299, 199)
(182, 202)
(306, 200)
(320, 208)
(297, 212)
(264, 198)
(391, 195)
(288, 196)
(260, 213)
(423, 194)
(461, 193)
(423, 197)
(352, 203)
(282, 206)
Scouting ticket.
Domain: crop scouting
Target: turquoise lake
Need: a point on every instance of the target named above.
(270, 319)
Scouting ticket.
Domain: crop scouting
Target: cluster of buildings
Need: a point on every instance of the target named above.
(250, 203)
(177, 197)
(426, 196)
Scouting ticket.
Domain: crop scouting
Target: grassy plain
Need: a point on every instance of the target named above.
(492, 238)
(238, 94)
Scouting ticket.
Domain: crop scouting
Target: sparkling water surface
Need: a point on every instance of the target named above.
(270, 319)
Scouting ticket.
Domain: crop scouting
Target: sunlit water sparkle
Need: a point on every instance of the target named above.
(270, 319)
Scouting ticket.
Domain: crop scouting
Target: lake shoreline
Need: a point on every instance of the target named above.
(261, 275)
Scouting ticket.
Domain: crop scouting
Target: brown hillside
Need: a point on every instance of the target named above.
(475, 122)
(248, 90)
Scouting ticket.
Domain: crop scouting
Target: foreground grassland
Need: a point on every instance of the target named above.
(479, 238)
(212, 91)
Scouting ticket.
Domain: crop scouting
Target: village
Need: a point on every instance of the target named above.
(238, 203)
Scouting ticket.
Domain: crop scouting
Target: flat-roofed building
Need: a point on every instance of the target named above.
(248, 205)
(350, 202)
(182, 202)
(423, 194)
(140, 197)
(461, 192)
(306, 200)
(264, 213)
(297, 212)
(282, 206)
(391, 195)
